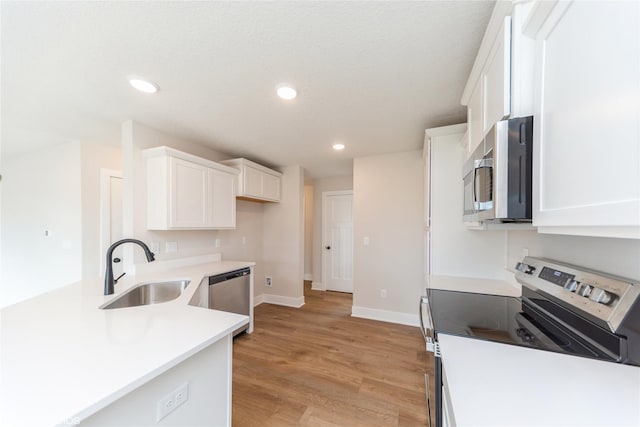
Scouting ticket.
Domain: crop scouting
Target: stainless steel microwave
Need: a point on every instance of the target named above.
(497, 177)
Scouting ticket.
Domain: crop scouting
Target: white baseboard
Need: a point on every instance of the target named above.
(317, 286)
(385, 316)
(279, 300)
(308, 276)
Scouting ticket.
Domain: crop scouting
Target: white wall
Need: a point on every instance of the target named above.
(320, 185)
(614, 256)
(387, 208)
(94, 157)
(283, 252)
(245, 243)
(41, 191)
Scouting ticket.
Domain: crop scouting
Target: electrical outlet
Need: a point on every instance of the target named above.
(525, 252)
(267, 281)
(182, 394)
(217, 243)
(383, 293)
(171, 247)
(155, 247)
(172, 401)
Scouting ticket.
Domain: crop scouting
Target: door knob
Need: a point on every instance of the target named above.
(327, 247)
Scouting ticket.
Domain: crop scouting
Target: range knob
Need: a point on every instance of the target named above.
(572, 285)
(601, 296)
(584, 290)
(525, 268)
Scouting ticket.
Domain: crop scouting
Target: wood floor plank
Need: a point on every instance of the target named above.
(318, 366)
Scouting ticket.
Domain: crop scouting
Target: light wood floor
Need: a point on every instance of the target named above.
(318, 366)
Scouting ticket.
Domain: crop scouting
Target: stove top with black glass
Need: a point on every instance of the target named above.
(563, 308)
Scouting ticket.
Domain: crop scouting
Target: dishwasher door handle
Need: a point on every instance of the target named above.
(229, 276)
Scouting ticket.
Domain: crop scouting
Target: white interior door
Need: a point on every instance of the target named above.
(111, 217)
(337, 231)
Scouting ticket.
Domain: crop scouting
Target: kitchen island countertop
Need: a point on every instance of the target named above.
(64, 359)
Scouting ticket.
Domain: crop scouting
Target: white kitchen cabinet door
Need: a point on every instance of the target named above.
(188, 194)
(270, 187)
(252, 182)
(587, 119)
(475, 117)
(496, 79)
(221, 199)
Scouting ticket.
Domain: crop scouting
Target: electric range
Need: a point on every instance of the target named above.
(563, 308)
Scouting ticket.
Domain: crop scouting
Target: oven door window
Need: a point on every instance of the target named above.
(483, 183)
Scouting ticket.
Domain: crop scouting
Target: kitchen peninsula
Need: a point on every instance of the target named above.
(67, 362)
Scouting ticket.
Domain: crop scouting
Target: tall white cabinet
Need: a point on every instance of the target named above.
(587, 117)
(451, 249)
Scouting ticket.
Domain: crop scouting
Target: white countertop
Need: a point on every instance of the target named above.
(495, 384)
(507, 287)
(63, 358)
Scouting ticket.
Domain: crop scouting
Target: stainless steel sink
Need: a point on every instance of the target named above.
(148, 293)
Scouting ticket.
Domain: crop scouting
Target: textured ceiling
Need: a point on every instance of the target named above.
(372, 75)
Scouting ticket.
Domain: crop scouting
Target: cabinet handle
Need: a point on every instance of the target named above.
(327, 247)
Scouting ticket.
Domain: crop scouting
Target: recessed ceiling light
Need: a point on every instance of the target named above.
(338, 147)
(286, 91)
(143, 85)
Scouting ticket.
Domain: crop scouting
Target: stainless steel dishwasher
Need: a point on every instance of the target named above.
(230, 292)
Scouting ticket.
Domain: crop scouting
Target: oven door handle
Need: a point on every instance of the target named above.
(427, 332)
(537, 333)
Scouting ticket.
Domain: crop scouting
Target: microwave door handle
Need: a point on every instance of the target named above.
(476, 204)
(480, 164)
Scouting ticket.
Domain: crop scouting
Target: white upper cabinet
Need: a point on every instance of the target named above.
(487, 94)
(501, 80)
(256, 182)
(587, 117)
(496, 78)
(188, 192)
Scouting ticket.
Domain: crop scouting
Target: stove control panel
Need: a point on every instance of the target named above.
(604, 297)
